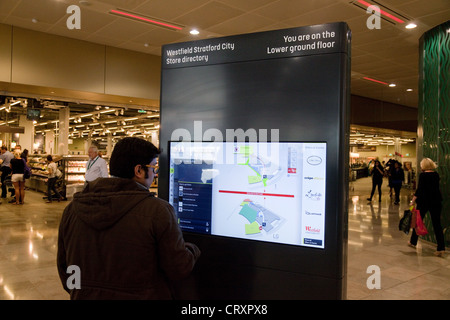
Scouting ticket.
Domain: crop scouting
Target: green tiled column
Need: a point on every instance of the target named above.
(434, 114)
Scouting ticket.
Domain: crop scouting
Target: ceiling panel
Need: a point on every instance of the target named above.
(208, 15)
(91, 22)
(288, 9)
(419, 8)
(436, 18)
(157, 37)
(245, 23)
(247, 5)
(168, 10)
(29, 9)
(6, 7)
(123, 29)
(331, 13)
(128, 4)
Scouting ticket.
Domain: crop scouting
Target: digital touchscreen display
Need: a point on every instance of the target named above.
(260, 191)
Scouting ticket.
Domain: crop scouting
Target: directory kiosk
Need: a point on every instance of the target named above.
(254, 139)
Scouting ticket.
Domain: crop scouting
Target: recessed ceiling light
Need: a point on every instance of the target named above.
(392, 85)
(34, 20)
(411, 25)
(409, 90)
(146, 45)
(194, 32)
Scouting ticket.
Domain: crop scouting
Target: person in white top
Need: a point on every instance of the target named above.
(96, 166)
(52, 168)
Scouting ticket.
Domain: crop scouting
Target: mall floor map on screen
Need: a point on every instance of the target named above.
(271, 192)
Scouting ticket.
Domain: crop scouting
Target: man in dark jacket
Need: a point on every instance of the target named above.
(124, 242)
(397, 178)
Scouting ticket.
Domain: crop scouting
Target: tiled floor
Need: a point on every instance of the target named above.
(28, 239)
(28, 235)
(374, 239)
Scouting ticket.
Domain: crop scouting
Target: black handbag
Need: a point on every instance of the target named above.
(26, 170)
(405, 222)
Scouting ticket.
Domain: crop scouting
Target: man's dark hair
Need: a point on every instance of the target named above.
(128, 153)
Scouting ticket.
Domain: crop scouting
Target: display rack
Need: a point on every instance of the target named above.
(74, 172)
(39, 173)
(74, 169)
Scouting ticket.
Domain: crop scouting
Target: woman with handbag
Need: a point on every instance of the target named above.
(428, 197)
(18, 168)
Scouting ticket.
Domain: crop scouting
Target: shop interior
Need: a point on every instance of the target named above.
(38, 125)
(368, 144)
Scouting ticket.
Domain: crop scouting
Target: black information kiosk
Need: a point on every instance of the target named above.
(254, 138)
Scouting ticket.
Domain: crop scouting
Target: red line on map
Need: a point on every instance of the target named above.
(258, 193)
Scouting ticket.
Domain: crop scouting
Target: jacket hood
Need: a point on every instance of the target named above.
(104, 201)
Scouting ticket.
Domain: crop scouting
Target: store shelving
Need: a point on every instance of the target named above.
(39, 172)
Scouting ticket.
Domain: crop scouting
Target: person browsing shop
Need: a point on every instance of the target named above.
(5, 160)
(96, 166)
(52, 168)
(125, 241)
(18, 167)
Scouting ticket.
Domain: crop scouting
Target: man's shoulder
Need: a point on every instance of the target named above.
(159, 202)
(154, 205)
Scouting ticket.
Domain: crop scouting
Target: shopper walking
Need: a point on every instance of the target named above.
(5, 160)
(377, 179)
(126, 242)
(428, 198)
(52, 178)
(96, 166)
(389, 169)
(18, 168)
(397, 178)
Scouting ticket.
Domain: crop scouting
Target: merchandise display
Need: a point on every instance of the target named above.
(39, 172)
(75, 169)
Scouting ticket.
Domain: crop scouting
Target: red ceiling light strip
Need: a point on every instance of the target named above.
(136, 17)
(387, 14)
(377, 81)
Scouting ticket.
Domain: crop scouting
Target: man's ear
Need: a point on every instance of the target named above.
(138, 171)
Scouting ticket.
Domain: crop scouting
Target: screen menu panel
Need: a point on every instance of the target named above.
(272, 192)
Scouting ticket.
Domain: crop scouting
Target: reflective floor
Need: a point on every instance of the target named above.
(28, 237)
(374, 239)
